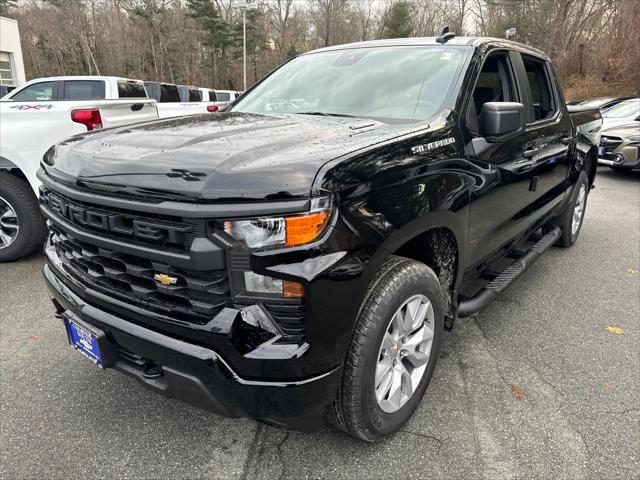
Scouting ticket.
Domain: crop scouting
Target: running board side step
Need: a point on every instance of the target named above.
(489, 293)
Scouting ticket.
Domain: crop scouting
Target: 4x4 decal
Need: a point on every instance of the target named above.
(41, 106)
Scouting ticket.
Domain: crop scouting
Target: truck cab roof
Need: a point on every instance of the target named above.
(476, 42)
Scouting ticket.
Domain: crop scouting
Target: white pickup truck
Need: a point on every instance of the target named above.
(180, 101)
(37, 115)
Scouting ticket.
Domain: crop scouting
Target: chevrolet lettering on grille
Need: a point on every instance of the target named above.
(116, 223)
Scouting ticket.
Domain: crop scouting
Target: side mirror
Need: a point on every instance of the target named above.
(498, 119)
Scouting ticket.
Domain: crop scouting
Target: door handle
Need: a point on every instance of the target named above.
(532, 152)
(566, 140)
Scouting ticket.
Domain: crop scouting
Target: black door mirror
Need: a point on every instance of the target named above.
(498, 119)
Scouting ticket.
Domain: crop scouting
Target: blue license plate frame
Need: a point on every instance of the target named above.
(84, 339)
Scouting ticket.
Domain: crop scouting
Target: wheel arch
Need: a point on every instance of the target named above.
(10, 167)
(437, 240)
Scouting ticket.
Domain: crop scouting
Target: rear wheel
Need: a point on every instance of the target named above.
(22, 228)
(570, 222)
(393, 351)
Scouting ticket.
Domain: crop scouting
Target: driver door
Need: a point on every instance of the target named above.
(500, 195)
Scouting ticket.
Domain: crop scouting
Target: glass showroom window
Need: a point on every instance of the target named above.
(6, 75)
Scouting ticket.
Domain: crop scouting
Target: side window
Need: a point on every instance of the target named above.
(195, 95)
(183, 93)
(169, 93)
(153, 90)
(223, 96)
(494, 84)
(544, 103)
(83, 90)
(131, 90)
(212, 96)
(40, 92)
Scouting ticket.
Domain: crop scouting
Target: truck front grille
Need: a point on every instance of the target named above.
(195, 297)
(145, 229)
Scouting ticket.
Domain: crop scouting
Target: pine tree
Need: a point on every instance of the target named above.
(399, 21)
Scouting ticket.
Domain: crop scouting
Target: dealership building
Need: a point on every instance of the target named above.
(11, 65)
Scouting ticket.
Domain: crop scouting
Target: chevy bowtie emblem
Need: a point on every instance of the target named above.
(165, 279)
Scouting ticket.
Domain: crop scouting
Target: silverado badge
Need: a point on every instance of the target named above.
(165, 279)
(432, 145)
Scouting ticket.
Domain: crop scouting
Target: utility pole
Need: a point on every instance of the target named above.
(244, 5)
(244, 48)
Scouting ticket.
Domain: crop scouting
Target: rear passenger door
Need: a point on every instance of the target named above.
(551, 124)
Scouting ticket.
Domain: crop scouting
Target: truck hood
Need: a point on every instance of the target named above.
(623, 130)
(216, 156)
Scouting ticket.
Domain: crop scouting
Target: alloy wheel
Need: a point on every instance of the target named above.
(404, 353)
(9, 224)
(578, 209)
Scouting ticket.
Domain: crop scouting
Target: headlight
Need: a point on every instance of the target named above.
(286, 231)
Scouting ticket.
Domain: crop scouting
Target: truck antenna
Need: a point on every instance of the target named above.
(445, 35)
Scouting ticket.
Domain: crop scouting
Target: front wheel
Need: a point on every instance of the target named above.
(22, 228)
(393, 351)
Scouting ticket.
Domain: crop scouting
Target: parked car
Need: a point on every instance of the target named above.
(627, 111)
(286, 265)
(37, 115)
(602, 103)
(225, 97)
(620, 147)
(174, 101)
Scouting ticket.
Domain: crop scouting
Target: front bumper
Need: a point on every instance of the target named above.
(199, 375)
(624, 157)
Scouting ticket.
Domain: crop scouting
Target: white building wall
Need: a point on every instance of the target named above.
(10, 53)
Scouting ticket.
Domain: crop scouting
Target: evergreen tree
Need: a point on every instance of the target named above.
(217, 33)
(398, 24)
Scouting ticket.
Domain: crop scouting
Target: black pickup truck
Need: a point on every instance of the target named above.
(299, 256)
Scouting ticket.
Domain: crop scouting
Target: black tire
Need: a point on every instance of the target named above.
(32, 229)
(565, 220)
(355, 409)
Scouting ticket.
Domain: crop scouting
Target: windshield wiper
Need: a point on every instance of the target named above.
(325, 114)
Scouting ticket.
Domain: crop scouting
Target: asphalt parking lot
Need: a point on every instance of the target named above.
(537, 386)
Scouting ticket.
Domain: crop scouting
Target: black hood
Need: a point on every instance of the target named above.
(216, 156)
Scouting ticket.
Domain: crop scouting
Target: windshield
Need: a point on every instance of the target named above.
(395, 84)
(626, 109)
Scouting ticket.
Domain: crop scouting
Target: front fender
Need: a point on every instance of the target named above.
(11, 160)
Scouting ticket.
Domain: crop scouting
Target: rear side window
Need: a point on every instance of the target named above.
(544, 102)
(42, 92)
(195, 95)
(212, 96)
(169, 93)
(223, 96)
(83, 90)
(131, 90)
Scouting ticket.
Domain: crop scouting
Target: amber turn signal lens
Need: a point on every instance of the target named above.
(292, 289)
(305, 228)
